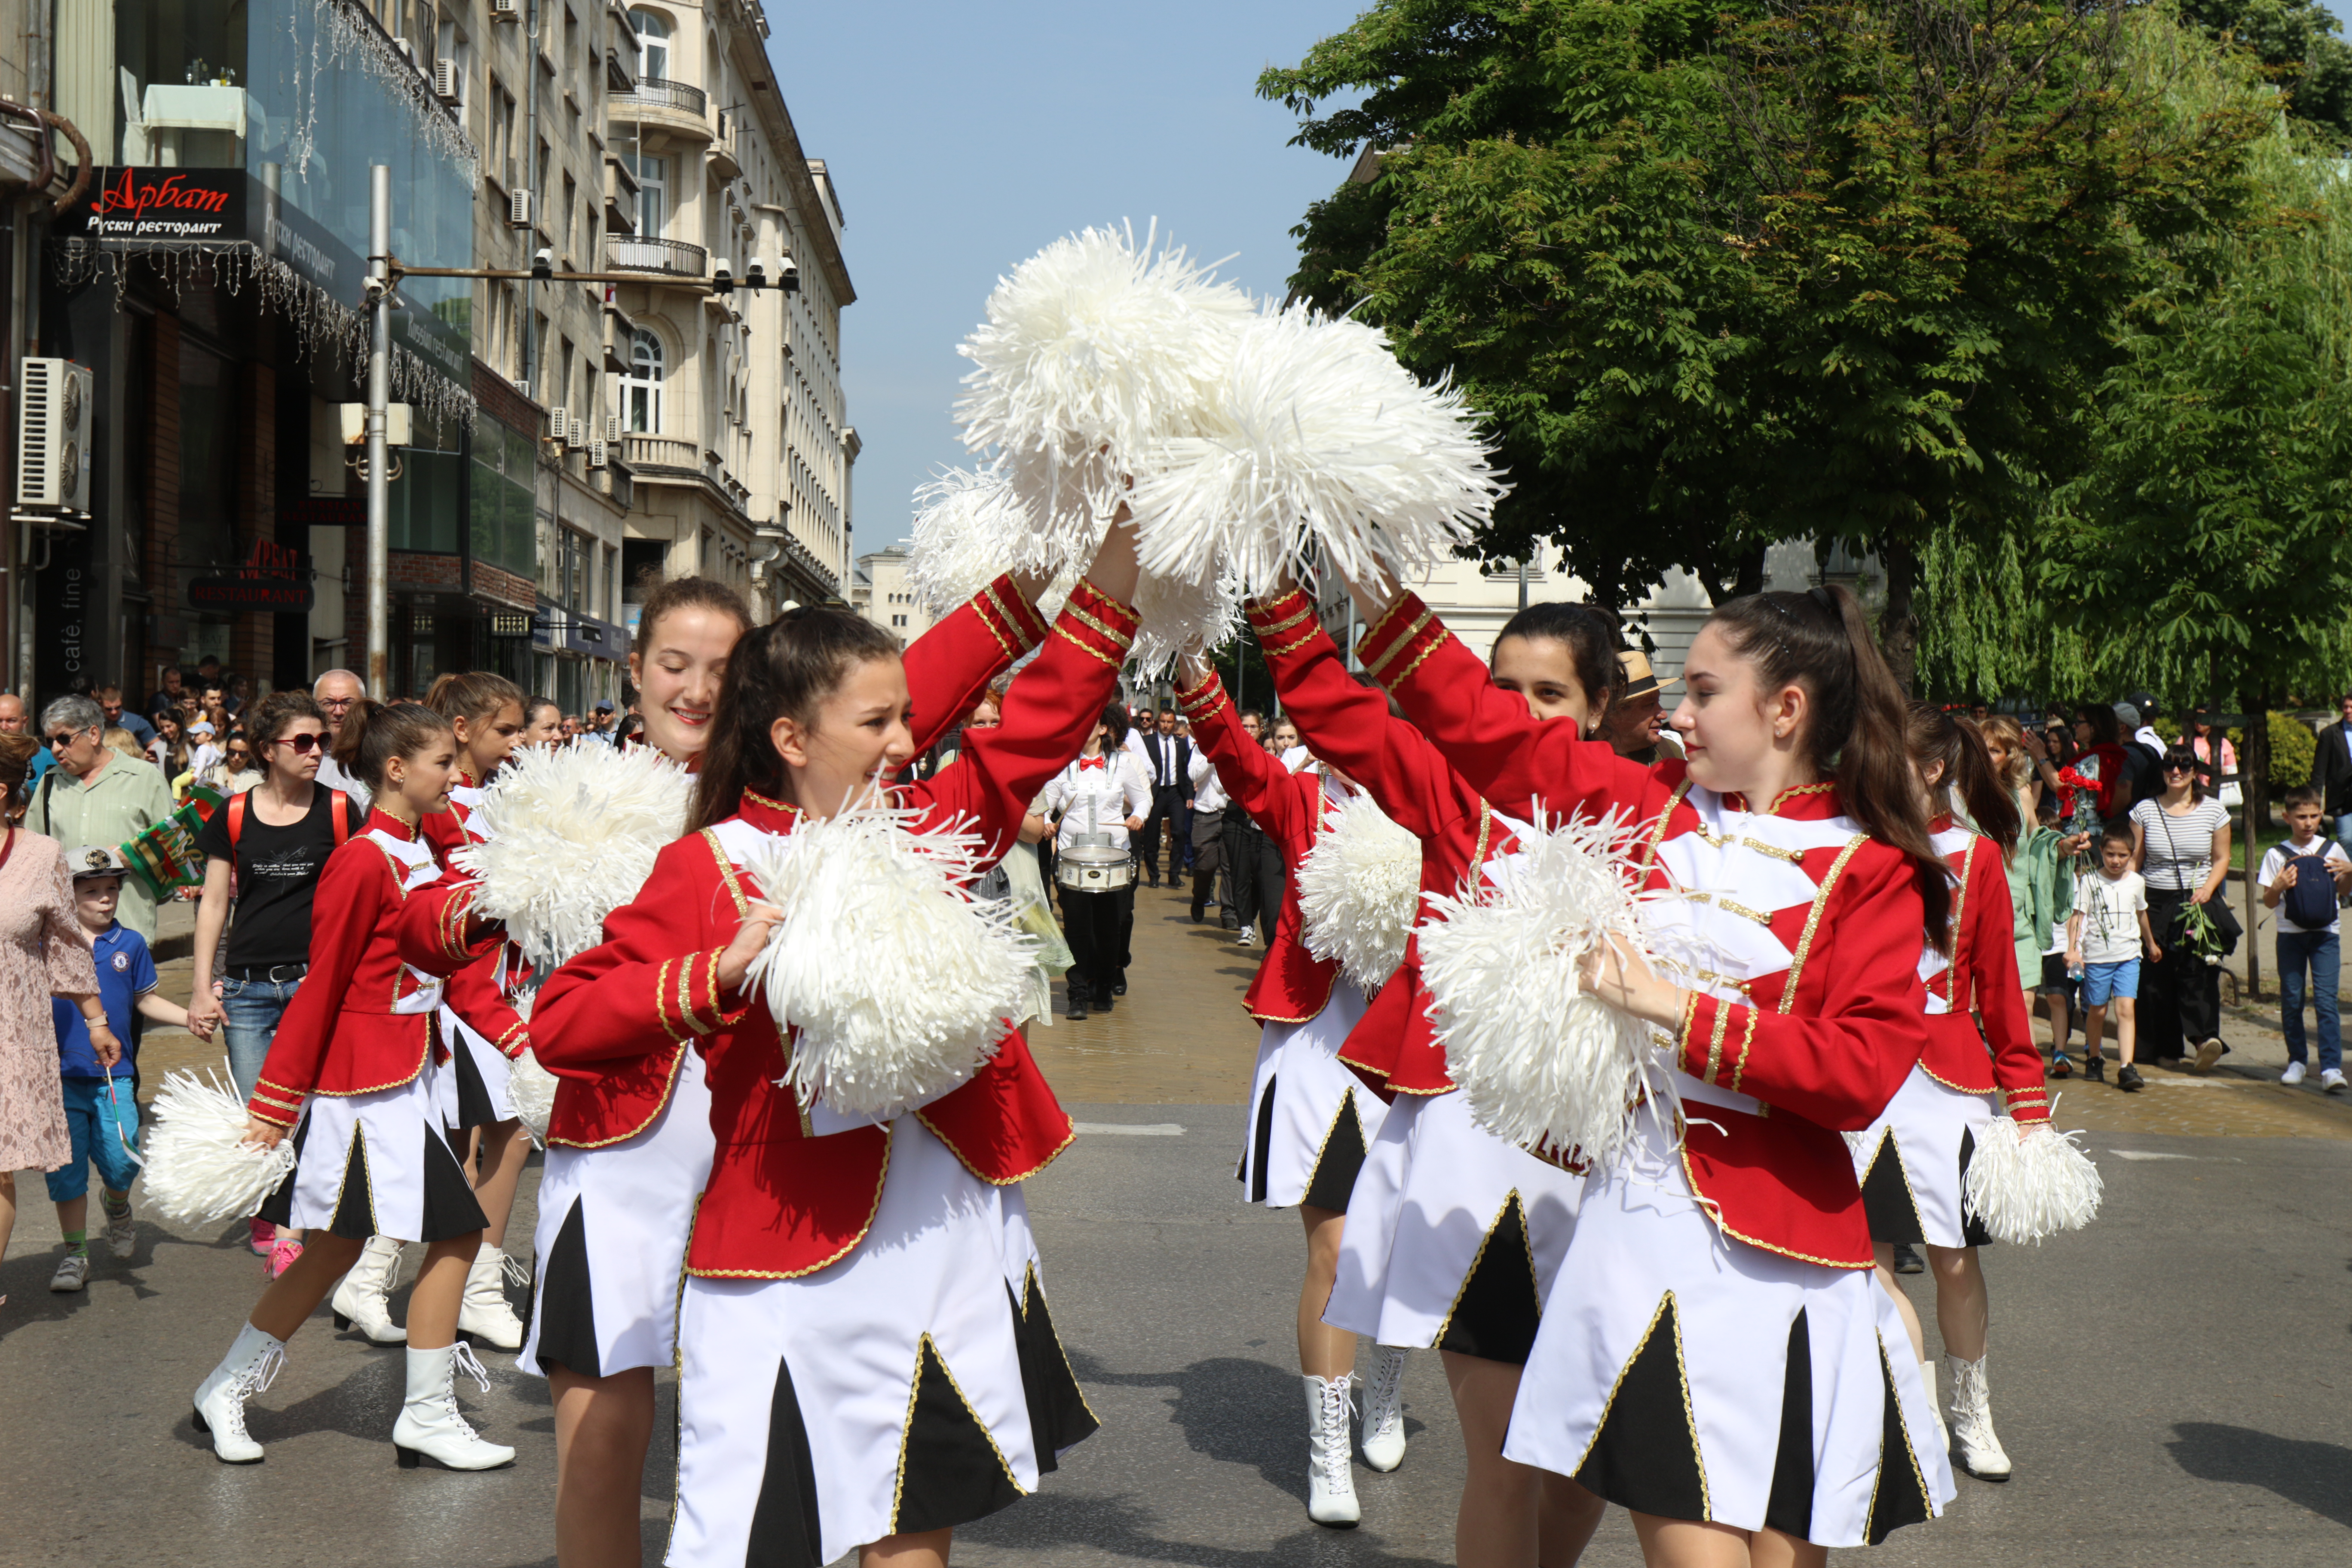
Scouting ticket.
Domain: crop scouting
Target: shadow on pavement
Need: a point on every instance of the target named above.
(1234, 1411)
(2308, 1474)
(1123, 1528)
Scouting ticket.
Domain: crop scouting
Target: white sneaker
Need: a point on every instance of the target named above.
(2332, 1080)
(121, 1234)
(1330, 1482)
(1384, 1439)
(2294, 1073)
(362, 1301)
(1248, 937)
(73, 1271)
(1974, 1447)
(251, 1363)
(431, 1427)
(484, 1316)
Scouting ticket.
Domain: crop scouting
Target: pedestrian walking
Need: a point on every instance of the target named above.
(96, 796)
(1168, 762)
(1207, 840)
(1096, 802)
(2106, 937)
(2181, 843)
(2304, 879)
(338, 692)
(102, 1096)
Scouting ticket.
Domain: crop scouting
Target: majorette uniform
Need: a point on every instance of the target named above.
(1914, 1160)
(1454, 1237)
(629, 1144)
(864, 1346)
(478, 1011)
(353, 1066)
(1311, 1118)
(1716, 1347)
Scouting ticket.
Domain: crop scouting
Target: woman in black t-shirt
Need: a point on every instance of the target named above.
(264, 851)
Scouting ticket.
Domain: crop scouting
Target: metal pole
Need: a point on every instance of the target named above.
(379, 452)
(1523, 584)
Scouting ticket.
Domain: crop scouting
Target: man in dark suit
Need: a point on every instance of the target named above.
(1167, 757)
(2331, 770)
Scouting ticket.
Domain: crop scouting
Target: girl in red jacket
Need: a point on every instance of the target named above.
(866, 1353)
(352, 1075)
(1714, 1355)
(1914, 1158)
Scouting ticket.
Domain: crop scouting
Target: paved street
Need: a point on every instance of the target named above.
(2172, 1384)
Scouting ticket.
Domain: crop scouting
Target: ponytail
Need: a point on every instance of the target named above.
(1935, 736)
(782, 670)
(1821, 642)
(474, 696)
(375, 732)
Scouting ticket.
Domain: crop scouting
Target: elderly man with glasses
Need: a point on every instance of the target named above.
(95, 796)
(338, 692)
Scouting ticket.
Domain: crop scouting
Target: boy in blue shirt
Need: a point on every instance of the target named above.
(101, 1108)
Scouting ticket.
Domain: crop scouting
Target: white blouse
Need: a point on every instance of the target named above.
(1108, 795)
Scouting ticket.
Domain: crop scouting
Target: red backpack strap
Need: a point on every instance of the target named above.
(340, 806)
(236, 831)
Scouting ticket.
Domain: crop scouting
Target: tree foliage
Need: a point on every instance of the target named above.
(2300, 47)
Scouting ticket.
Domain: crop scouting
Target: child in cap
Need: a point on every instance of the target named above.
(101, 1107)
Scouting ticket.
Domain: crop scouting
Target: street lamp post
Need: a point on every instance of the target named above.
(379, 456)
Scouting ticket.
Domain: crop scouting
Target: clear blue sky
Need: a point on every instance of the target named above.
(966, 136)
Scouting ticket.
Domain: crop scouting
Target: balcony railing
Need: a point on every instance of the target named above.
(667, 258)
(664, 452)
(652, 92)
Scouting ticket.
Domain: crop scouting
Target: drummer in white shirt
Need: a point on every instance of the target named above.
(1100, 799)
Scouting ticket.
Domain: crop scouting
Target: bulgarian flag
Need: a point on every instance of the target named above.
(164, 856)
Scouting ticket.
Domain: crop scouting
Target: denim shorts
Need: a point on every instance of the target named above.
(2103, 982)
(249, 1013)
(103, 1126)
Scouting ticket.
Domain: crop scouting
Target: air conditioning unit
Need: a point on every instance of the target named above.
(575, 432)
(505, 10)
(518, 209)
(559, 424)
(407, 51)
(53, 436)
(448, 85)
(596, 454)
(612, 429)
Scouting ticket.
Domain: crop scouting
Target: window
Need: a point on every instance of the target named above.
(644, 394)
(570, 214)
(652, 195)
(653, 44)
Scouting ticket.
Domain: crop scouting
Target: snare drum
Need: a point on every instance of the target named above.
(1094, 868)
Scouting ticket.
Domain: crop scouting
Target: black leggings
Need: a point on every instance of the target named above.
(2180, 997)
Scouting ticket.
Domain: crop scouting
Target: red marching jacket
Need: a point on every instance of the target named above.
(1393, 1047)
(1292, 985)
(481, 992)
(947, 668)
(1821, 1045)
(783, 1201)
(361, 1019)
(1980, 984)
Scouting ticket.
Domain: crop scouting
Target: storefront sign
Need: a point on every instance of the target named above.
(164, 206)
(273, 579)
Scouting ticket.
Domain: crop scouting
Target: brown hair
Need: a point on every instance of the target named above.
(375, 732)
(687, 594)
(1820, 641)
(1591, 641)
(17, 754)
(782, 670)
(2000, 729)
(474, 696)
(2303, 795)
(267, 719)
(1953, 743)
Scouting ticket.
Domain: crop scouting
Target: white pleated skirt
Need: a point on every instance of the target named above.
(1454, 1237)
(474, 1082)
(1685, 1375)
(916, 1384)
(1913, 1163)
(377, 1164)
(610, 1245)
(1311, 1118)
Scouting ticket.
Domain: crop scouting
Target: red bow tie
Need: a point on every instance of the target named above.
(1086, 763)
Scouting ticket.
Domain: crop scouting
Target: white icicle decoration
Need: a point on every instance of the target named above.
(1359, 890)
(1317, 444)
(1539, 1061)
(2028, 1183)
(897, 981)
(530, 1090)
(574, 830)
(1094, 347)
(199, 1168)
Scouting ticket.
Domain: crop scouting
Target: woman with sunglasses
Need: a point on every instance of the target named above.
(2181, 843)
(263, 854)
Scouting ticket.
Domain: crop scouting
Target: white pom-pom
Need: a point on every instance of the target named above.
(897, 981)
(1092, 348)
(200, 1170)
(573, 833)
(1539, 1061)
(1319, 448)
(530, 1090)
(1171, 615)
(2027, 1182)
(1359, 890)
(970, 527)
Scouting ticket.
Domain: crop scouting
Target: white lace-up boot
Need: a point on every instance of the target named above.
(1973, 1443)
(484, 1316)
(362, 1301)
(431, 1427)
(251, 1363)
(1384, 1410)
(1330, 1482)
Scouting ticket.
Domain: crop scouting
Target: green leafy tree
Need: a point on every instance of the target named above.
(2301, 48)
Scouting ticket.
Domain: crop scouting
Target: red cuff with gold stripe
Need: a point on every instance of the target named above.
(274, 1103)
(514, 1041)
(2028, 1104)
(1098, 622)
(1406, 633)
(1011, 619)
(685, 997)
(1714, 1040)
(1205, 701)
(463, 933)
(1285, 623)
